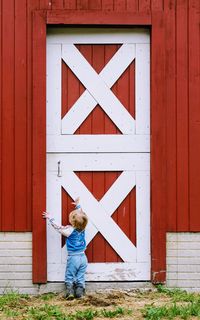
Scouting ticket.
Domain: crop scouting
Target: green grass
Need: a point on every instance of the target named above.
(178, 294)
(12, 300)
(47, 296)
(48, 312)
(170, 312)
(191, 306)
(119, 311)
(45, 312)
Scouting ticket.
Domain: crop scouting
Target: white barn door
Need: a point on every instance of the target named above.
(127, 152)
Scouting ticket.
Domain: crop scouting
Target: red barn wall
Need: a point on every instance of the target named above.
(182, 103)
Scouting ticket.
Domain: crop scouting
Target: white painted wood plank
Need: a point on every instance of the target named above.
(98, 162)
(107, 272)
(171, 237)
(188, 236)
(96, 35)
(142, 89)
(16, 236)
(30, 290)
(15, 245)
(15, 253)
(183, 260)
(186, 268)
(143, 216)
(15, 276)
(98, 89)
(186, 283)
(183, 275)
(110, 74)
(54, 208)
(188, 245)
(16, 283)
(15, 260)
(16, 268)
(114, 197)
(183, 253)
(98, 143)
(117, 239)
(53, 89)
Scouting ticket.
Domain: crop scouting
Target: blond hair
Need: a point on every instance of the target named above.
(78, 219)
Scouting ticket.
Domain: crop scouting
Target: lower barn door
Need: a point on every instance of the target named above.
(98, 148)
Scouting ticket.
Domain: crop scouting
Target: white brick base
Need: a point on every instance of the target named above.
(16, 262)
(183, 260)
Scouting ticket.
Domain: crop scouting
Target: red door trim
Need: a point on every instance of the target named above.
(158, 127)
(39, 147)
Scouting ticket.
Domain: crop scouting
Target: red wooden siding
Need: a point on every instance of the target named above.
(181, 49)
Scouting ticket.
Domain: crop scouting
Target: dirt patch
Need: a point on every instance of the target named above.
(133, 301)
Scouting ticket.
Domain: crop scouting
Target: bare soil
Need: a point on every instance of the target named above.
(129, 300)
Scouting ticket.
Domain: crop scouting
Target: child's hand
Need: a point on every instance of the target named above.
(46, 215)
(76, 201)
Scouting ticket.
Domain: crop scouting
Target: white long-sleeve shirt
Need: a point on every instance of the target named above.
(64, 230)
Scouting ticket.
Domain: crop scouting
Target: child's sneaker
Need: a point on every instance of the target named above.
(69, 291)
(79, 291)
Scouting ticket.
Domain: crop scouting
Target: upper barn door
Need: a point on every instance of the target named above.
(98, 108)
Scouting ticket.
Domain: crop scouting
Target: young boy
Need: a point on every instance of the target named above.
(76, 245)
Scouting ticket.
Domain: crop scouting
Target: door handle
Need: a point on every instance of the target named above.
(59, 174)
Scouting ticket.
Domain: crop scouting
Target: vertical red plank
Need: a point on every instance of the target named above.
(39, 148)
(94, 4)
(131, 107)
(70, 4)
(132, 5)
(132, 213)
(65, 91)
(0, 116)
(109, 126)
(107, 5)
(170, 96)
(194, 113)
(86, 126)
(20, 116)
(8, 221)
(158, 149)
(110, 254)
(157, 5)
(57, 4)
(144, 5)
(119, 5)
(81, 4)
(31, 5)
(45, 4)
(182, 115)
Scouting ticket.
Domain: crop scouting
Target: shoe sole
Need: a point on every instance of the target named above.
(70, 297)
